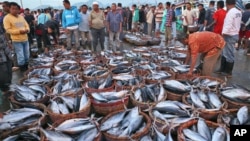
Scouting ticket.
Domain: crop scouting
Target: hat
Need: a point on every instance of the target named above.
(95, 3)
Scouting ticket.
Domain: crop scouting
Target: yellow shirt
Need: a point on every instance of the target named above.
(97, 19)
(13, 25)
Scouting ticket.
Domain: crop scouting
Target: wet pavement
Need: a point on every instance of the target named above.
(241, 75)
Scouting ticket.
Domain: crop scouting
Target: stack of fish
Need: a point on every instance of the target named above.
(63, 86)
(88, 60)
(100, 84)
(41, 61)
(149, 66)
(206, 83)
(76, 129)
(117, 62)
(149, 93)
(124, 124)
(20, 117)
(95, 71)
(24, 136)
(65, 76)
(37, 80)
(178, 55)
(204, 100)
(237, 94)
(29, 93)
(158, 75)
(172, 112)
(157, 136)
(68, 104)
(109, 97)
(40, 71)
(67, 65)
(170, 63)
(121, 70)
(130, 54)
(242, 117)
(127, 80)
(177, 87)
(202, 132)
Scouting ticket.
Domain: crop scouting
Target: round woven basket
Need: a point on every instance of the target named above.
(188, 124)
(106, 108)
(42, 121)
(184, 75)
(82, 113)
(174, 96)
(92, 90)
(136, 136)
(146, 105)
(141, 72)
(205, 113)
(61, 120)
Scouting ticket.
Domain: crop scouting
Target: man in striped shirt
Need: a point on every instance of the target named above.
(158, 19)
(168, 24)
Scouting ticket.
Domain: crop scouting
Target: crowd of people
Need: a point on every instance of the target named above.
(219, 30)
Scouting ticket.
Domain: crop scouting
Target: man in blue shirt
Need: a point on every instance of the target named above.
(84, 27)
(114, 22)
(70, 22)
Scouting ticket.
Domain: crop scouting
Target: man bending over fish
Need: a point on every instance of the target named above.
(209, 44)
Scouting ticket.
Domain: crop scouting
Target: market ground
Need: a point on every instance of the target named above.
(241, 75)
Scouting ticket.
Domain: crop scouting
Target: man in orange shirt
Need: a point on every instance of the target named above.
(218, 17)
(209, 44)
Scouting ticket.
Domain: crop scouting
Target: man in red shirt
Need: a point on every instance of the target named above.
(208, 44)
(218, 17)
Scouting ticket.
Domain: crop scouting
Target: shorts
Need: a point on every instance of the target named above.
(245, 34)
(157, 26)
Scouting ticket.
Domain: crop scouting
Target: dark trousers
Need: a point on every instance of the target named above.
(5, 74)
(185, 29)
(98, 34)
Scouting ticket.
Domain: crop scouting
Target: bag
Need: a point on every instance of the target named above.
(39, 29)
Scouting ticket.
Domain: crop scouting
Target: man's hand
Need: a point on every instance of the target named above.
(23, 31)
(189, 74)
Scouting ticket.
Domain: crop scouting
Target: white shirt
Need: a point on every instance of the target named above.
(84, 24)
(190, 17)
(232, 22)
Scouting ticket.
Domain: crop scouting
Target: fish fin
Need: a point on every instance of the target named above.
(50, 125)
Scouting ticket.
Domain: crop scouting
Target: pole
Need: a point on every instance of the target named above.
(21, 2)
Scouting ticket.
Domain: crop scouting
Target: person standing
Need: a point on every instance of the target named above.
(135, 17)
(70, 21)
(188, 17)
(42, 18)
(30, 19)
(142, 19)
(97, 26)
(173, 21)
(218, 17)
(230, 33)
(201, 18)
(150, 18)
(168, 24)
(209, 16)
(158, 19)
(206, 43)
(84, 27)
(129, 16)
(17, 27)
(245, 29)
(114, 22)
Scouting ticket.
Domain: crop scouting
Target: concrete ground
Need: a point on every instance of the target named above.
(241, 75)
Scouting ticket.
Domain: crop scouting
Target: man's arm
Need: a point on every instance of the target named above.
(207, 15)
(8, 28)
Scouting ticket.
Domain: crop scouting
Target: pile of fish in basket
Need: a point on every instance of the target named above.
(141, 95)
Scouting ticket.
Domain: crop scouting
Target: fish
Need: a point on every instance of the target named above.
(242, 115)
(193, 135)
(40, 71)
(176, 86)
(214, 100)
(203, 129)
(236, 94)
(219, 134)
(196, 100)
(25, 135)
(109, 96)
(158, 75)
(55, 136)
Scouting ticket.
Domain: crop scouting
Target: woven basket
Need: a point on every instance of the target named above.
(42, 121)
(184, 75)
(188, 124)
(136, 136)
(146, 105)
(89, 78)
(83, 113)
(141, 72)
(204, 113)
(92, 90)
(61, 120)
(107, 108)
(174, 96)
(233, 104)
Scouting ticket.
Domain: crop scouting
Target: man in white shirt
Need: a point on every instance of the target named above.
(188, 17)
(230, 33)
(84, 27)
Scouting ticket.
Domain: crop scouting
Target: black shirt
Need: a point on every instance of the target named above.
(202, 15)
(29, 19)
